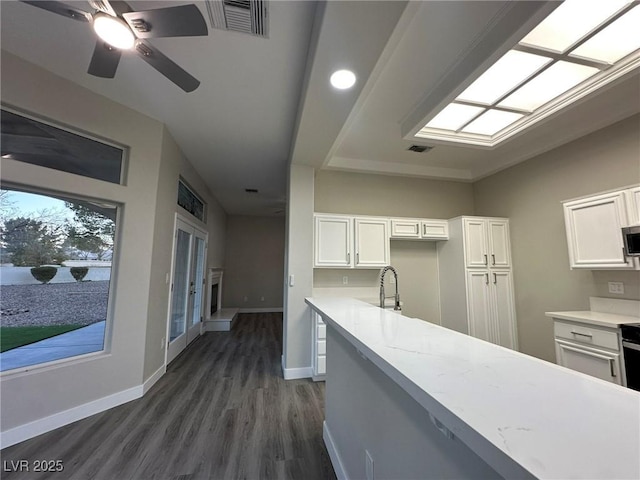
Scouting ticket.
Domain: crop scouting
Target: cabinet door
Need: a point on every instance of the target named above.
(434, 230)
(503, 309)
(499, 248)
(633, 200)
(478, 300)
(598, 363)
(475, 242)
(405, 228)
(594, 234)
(333, 241)
(372, 242)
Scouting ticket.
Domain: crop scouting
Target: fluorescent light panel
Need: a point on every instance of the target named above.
(453, 116)
(554, 81)
(491, 122)
(614, 42)
(512, 69)
(570, 22)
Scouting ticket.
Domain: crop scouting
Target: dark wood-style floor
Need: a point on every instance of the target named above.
(222, 411)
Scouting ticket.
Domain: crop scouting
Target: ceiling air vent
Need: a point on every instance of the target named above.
(419, 148)
(245, 16)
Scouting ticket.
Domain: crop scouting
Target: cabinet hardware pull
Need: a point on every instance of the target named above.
(486, 260)
(424, 230)
(486, 278)
(493, 259)
(349, 257)
(357, 258)
(582, 334)
(613, 372)
(495, 278)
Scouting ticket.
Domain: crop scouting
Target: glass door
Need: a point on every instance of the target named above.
(186, 287)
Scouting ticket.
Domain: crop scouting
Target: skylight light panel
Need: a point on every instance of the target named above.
(491, 122)
(512, 69)
(453, 116)
(570, 22)
(554, 81)
(615, 41)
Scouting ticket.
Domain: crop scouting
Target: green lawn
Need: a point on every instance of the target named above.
(12, 337)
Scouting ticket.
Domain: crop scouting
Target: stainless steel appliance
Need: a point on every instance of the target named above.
(631, 238)
(631, 351)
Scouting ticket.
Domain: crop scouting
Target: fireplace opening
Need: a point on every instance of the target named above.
(214, 298)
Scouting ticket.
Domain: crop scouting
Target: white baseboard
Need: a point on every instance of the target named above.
(151, 381)
(57, 420)
(261, 310)
(295, 373)
(338, 467)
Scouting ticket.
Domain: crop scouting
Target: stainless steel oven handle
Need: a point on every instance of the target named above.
(631, 346)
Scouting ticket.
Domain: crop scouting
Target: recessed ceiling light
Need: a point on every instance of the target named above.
(114, 31)
(343, 79)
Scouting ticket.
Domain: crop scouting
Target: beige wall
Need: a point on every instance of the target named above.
(143, 251)
(254, 262)
(416, 262)
(529, 194)
(173, 164)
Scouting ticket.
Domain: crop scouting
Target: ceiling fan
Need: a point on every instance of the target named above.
(119, 29)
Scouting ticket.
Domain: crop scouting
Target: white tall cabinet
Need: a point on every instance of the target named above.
(476, 283)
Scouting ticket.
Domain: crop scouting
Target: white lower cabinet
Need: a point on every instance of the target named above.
(318, 347)
(588, 349)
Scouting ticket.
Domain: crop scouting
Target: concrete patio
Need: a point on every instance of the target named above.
(77, 342)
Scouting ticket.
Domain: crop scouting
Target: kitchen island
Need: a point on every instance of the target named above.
(409, 399)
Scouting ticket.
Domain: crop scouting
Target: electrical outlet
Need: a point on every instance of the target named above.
(345, 280)
(368, 465)
(616, 287)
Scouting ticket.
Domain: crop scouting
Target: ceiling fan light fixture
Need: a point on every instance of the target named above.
(114, 31)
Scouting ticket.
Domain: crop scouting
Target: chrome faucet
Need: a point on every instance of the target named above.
(382, 297)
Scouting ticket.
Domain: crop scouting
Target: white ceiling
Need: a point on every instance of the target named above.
(265, 102)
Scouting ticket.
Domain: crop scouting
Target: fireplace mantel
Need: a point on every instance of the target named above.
(221, 319)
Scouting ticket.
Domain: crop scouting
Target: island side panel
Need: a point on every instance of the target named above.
(366, 410)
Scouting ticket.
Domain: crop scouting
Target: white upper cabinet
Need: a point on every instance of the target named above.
(594, 235)
(333, 241)
(372, 242)
(419, 229)
(342, 241)
(633, 201)
(487, 242)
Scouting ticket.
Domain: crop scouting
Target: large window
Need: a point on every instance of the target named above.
(55, 275)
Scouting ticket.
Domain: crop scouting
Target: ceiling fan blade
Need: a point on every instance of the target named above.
(181, 21)
(104, 61)
(166, 66)
(61, 9)
(112, 7)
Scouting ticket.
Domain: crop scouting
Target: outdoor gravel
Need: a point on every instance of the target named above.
(81, 303)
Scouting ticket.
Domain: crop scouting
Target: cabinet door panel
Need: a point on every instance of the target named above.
(475, 242)
(598, 363)
(504, 316)
(478, 305)
(593, 232)
(633, 197)
(499, 249)
(372, 242)
(405, 228)
(333, 242)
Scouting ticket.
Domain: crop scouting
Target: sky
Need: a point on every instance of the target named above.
(26, 203)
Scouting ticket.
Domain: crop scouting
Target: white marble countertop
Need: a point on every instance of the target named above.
(602, 319)
(518, 413)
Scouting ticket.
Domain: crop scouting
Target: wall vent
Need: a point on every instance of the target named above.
(419, 148)
(245, 16)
